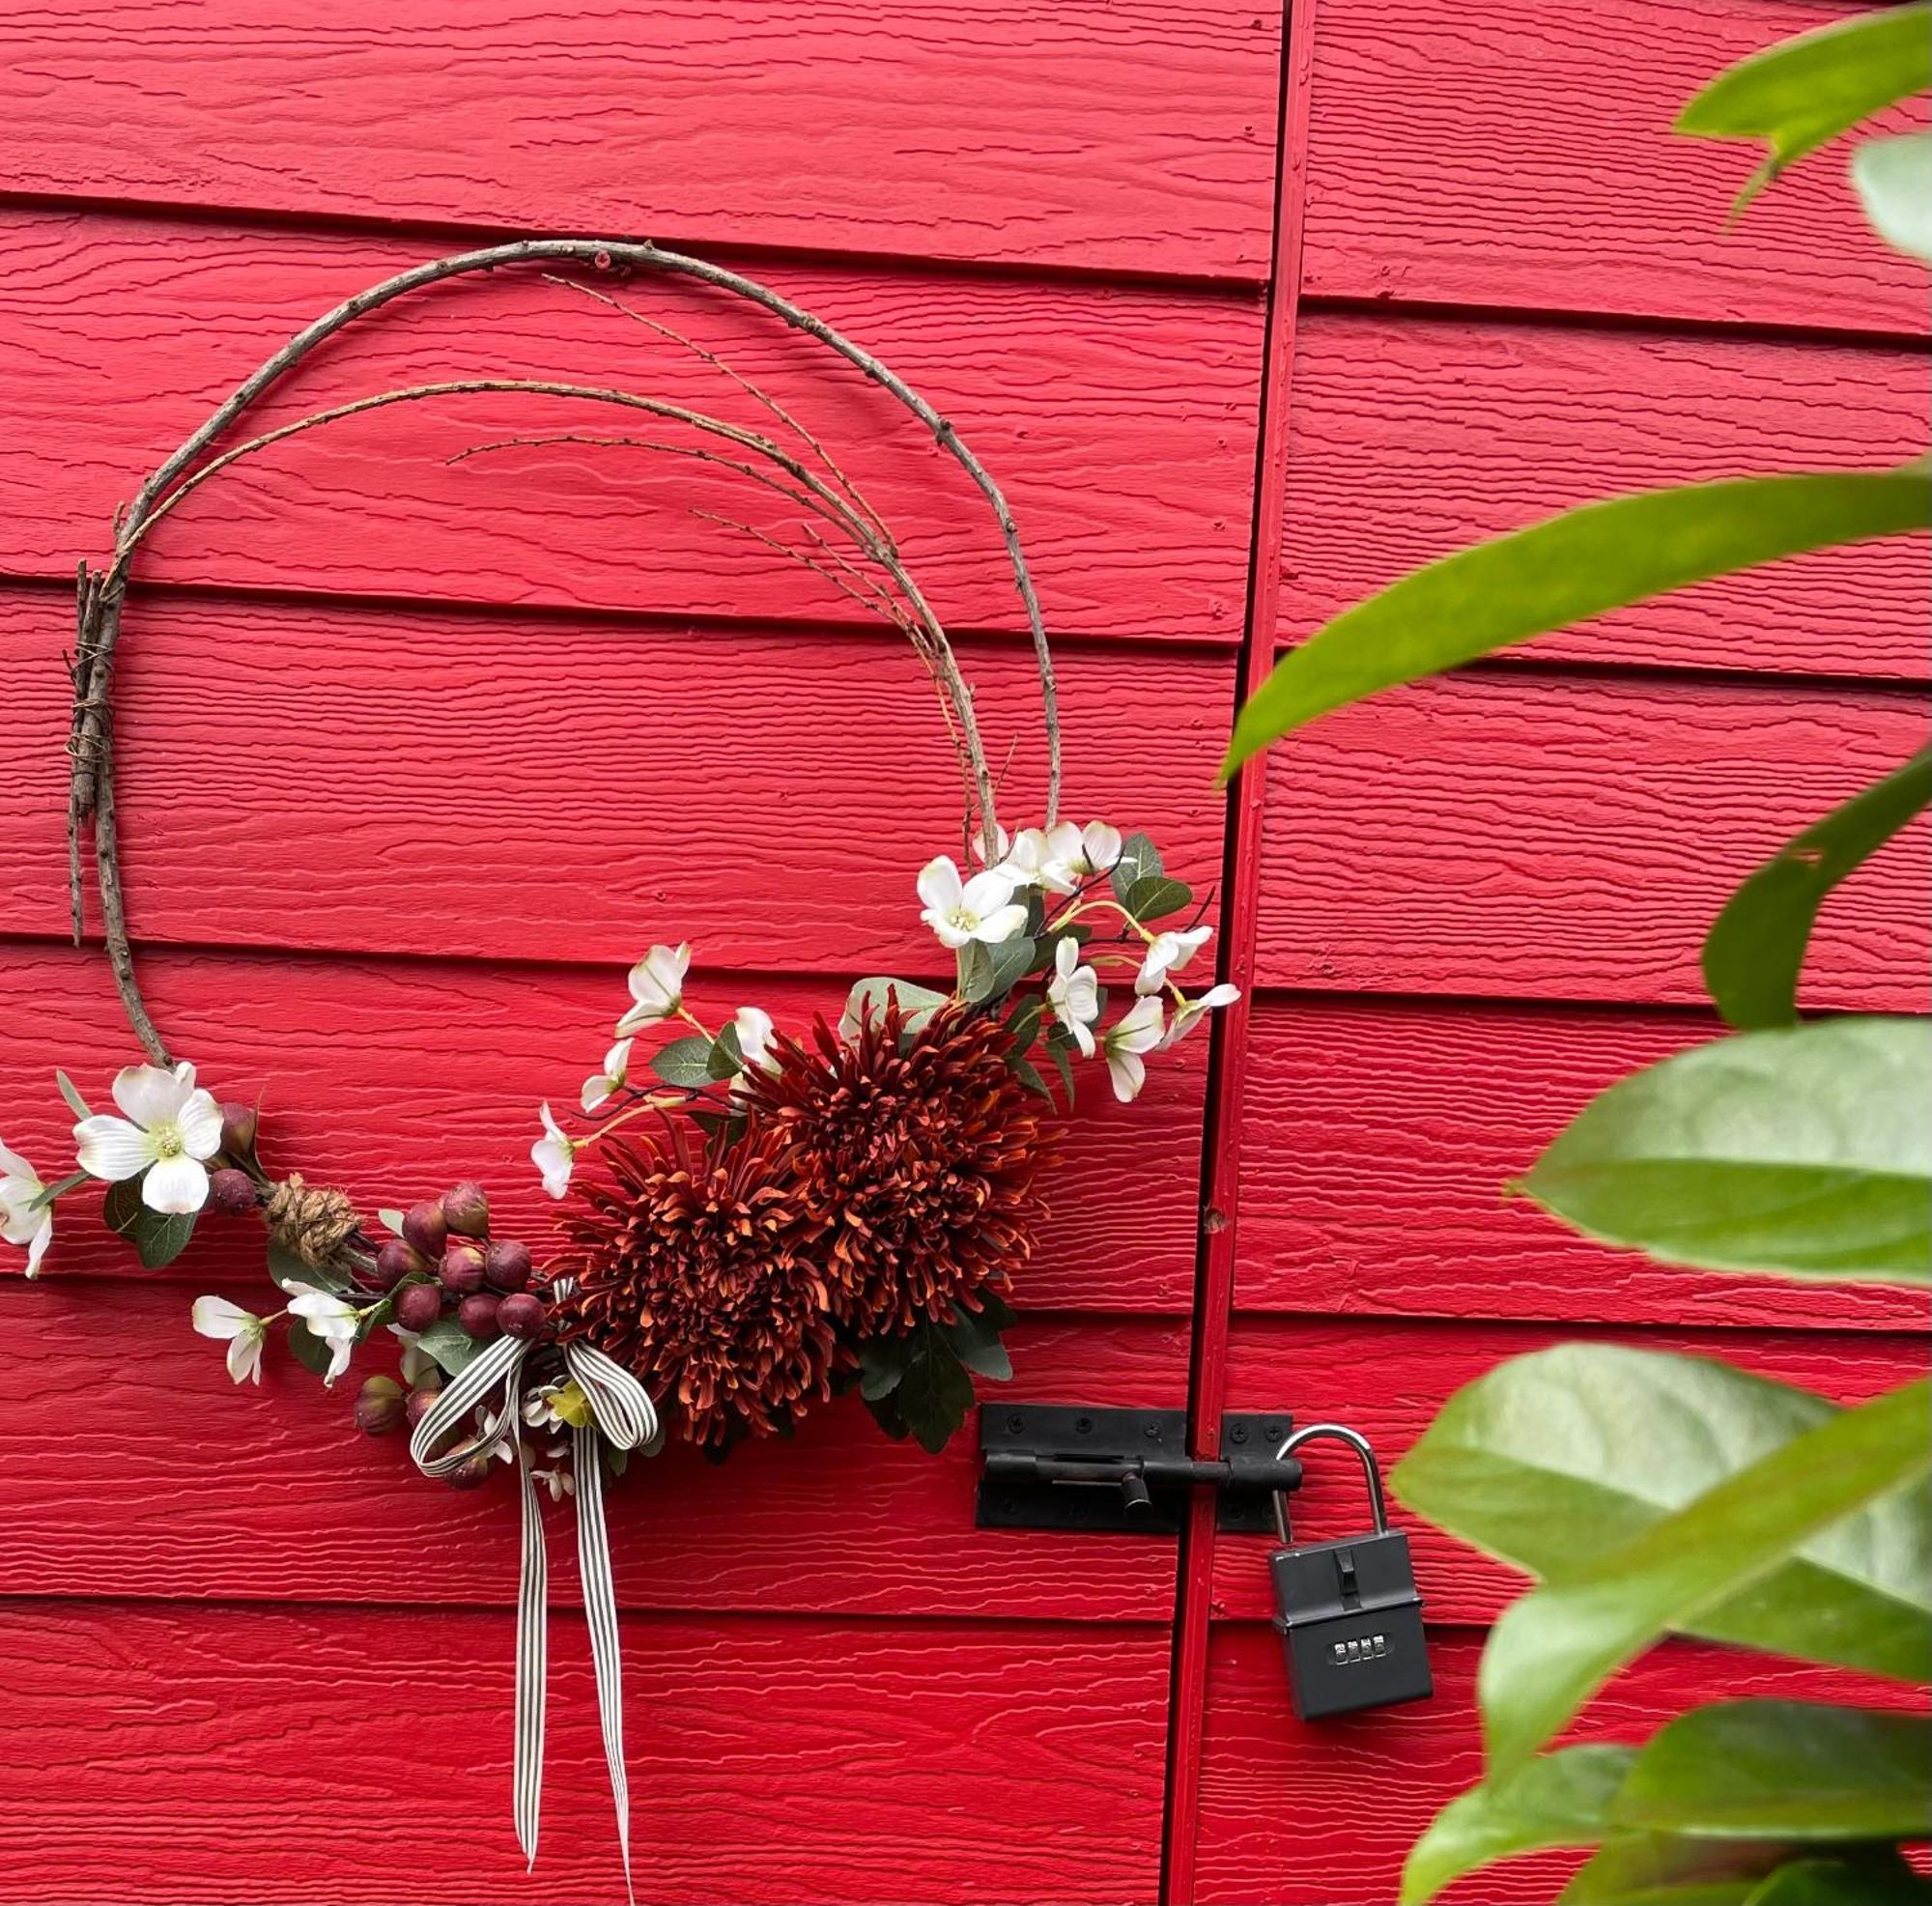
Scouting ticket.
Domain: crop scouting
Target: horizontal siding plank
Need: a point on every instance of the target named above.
(126, 1500)
(352, 778)
(1113, 136)
(1388, 1380)
(1547, 836)
(1120, 422)
(395, 1080)
(1379, 1135)
(246, 1758)
(1408, 440)
(1295, 1814)
(1517, 153)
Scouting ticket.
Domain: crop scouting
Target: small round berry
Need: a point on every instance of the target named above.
(469, 1475)
(463, 1271)
(379, 1407)
(424, 1228)
(478, 1314)
(465, 1210)
(506, 1264)
(418, 1405)
(418, 1305)
(396, 1261)
(231, 1191)
(238, 1129)
(522, 1314)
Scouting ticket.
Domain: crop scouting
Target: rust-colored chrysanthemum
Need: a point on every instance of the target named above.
(915, 1155)
(692, 1270)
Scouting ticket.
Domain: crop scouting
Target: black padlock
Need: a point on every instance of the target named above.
(1350, 1617)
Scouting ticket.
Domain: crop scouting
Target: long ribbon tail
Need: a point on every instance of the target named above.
(600, 1608)
(498, 1368)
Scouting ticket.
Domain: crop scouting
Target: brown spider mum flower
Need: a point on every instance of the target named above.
(915, 1155)
(690, 1270)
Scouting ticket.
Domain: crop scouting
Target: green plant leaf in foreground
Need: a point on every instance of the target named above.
(1558, 1800)
(1756, 948)
(1802, 92)
(1893, 178)
(1783, 1770)
(1554, 1647)
(1804, 1151)
(1550, 1459)
(1582, 563)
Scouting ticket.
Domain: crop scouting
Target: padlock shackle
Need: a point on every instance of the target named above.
(1359, 1443)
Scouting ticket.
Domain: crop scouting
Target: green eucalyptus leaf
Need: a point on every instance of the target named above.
(1799, 92)
(1029, 1075)
(882, 1364)
(1140, 859)
(49, 1192)
(885, 1412)
(976, 1345)
(991, 971)
(1059, 1049)
(1805, 1152)
(685, 1061)
(917, 1004)
(1550, 1651)
(68, 1090)
(293, 1273)
(392, 1220)
(1783, 1770)
(311, 1352)
(1894, 182)
(727, 1058)
(158, 1238)
(1156, 897)
(1564, 570)
(1756, 946)
(1560, 1799)
(1023, 1023)
(449, 1344)
(1841, 1882)
(1551, 1459)
(994, 1308)
(935, 1392)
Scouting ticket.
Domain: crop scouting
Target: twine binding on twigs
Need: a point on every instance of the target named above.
(311, 1222)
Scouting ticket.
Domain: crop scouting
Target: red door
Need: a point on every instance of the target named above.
(1246, 315)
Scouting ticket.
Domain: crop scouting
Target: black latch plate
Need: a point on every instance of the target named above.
(1091, 1450)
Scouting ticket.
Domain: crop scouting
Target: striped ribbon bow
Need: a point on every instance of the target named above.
(620, 1411)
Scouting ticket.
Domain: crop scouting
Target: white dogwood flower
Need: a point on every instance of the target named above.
(243, 1332)
(980, 909)
(334, 1319)
(19, 1222)
(171, 1126)
(603, 1085)
(554, 1154)
(656, 987)
(557, 1481)
(1191, 1011)
(1138, 1029)
(754, 1029)
(1074, 994)
(1075, 855)
(1169, 953)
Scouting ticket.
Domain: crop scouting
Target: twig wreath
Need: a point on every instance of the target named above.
(767, 1219)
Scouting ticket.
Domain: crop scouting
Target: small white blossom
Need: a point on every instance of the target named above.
(1169, 953)
(334, 1319)
(1191, 1011)
(1003, 846)
(754, 1029)
(171, 1126)
(554, 1154)
(656, 987)
(1027, 856)
(1075, 855)
(981, 909)
(603, 1085)
(1138, 1029)
(419, 1366)
(19, 1222)
(1074, 994)
(557, 1481)
(243, 1332)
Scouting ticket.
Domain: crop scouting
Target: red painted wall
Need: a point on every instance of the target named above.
(1247, 315)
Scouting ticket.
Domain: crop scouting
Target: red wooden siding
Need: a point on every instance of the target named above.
(1247, 313)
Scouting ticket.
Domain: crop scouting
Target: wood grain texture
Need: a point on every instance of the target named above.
(1322, 1814)
(1512, 154)
(239, 1756)
(179, 1485)
(1550, 837)
(1126, 137)
(1410, 438)
(1380, 1136)
(568, 790)
(1120, 423)
(397, 1080)
(1388, 1379)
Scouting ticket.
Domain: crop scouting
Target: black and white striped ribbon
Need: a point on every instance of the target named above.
(621, 1413)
